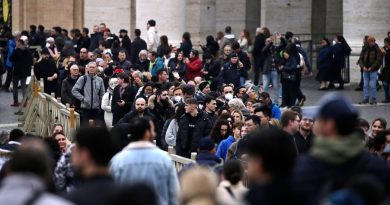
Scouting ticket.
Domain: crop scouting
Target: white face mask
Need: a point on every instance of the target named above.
(228, 96)
(177, 98)
(113, 83)
(334, 42)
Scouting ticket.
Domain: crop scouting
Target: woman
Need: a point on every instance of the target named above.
(164, 45)
(324, 60)
(51, 46)
(173, 127)
(142, 62)
(231, 190)
(237, 116)
(186, 44)
(245, 40)
(289, 77)
(62, 141)
(146, 91)
(377, 125)
(340, 50)
(57, 127)
(106, 102)
(211, 47)
(193, 66)
(177, 65)
(221, 130)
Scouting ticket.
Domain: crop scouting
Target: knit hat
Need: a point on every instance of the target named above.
(233, 55)
(202, 85)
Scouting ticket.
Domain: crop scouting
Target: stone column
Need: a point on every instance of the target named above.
(361, 17)
(200, 20)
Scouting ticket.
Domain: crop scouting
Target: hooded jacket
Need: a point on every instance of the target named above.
(90, 98)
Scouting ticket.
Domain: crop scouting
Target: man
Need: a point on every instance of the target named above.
(266, 99)
(270, 68)
(140, 111)
(83, 60)
(188, 92)
(89, 89)
(227, 91)
(370, 63)
(232, 149)
(155, 65)
(258, 53)
(67, 85)
(290, 123)
(85, 41)
(162, 76)
(91, 154)
(229, 37)
(238, 149)
(244, 59)
(337, 156)
(95, 38)
(225, 144)
(264, 113)
(47, 69)
(193, 126)
(28, 176)
(142, 161)
(122, 98)
(125, 41)
(137, 46)
(270, 162)
(22, 61)
(232, 71)
(152, 40)
(304, 137)
(210, 107)
(203, 91)
(122, 60)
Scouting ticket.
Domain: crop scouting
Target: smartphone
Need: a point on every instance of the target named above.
(175, 74)
(255, 88)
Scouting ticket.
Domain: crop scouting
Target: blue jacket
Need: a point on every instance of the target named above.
(142, 161)
(224, 146)
(11, 48)
(324, 58)
(276, 113)
(158, 65)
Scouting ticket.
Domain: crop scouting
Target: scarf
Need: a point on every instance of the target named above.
(337, 151)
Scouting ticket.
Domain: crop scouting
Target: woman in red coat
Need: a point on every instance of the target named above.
(193, 66)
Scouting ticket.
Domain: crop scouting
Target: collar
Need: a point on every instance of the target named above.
(14, 142)
(139, 145)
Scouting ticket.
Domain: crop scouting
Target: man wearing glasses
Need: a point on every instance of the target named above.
(304, 137)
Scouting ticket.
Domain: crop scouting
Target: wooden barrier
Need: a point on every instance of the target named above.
(43, 110)
(178, 161)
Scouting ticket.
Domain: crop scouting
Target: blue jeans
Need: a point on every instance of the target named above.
(369, 79)
(386, 86)
(272, 78)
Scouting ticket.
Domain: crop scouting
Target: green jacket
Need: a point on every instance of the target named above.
(371, 57)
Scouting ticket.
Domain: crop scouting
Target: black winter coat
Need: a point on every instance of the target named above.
(312, 177)
(184, 145)
(143, 66)
(137, 45)
(127, 96)
(257, 50)
(231, 74)
(22, 60)
(126, 44)
(45, 69)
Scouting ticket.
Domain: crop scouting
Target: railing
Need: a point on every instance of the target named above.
(178, 161)
(43, 110)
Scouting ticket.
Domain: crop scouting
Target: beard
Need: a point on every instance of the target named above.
(140, 110)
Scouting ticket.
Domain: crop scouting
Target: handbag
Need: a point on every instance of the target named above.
(288, 76)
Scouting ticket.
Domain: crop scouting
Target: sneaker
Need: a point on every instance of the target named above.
(18, 113)
(386, 101)
(373, 101)
(302, 101)
(365, 101)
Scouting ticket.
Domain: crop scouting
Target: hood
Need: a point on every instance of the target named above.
(152, 29)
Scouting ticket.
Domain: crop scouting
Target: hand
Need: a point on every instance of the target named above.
(240, 65)
(121, 103)
(50, 78)
(369, 69)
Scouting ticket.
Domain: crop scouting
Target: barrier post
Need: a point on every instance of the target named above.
(91, 122)
(53, 95)
(72, 124)
(193, 155)
(36, 89)
(171, 150)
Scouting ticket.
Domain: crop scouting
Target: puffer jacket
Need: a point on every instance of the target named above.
(371, 57)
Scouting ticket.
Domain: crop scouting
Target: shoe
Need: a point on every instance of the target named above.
(302, 101)
(386, 101)
(373, 101)
(15, 104)
(364, 102)
(18, 113)
(358, 89)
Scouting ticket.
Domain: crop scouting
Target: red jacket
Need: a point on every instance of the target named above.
(193, 68)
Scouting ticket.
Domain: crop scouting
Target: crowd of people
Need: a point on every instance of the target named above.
(139, 91)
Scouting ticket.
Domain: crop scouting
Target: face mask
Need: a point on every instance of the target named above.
(177, 98)
(334, 42)
(229, 96)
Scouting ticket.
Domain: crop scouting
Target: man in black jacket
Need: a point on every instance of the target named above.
(22, 60)
(122, 98)
(337, 156)
(139, 111)
(138, 45)
(46, 69)
(94, 148)
(193, 126)
(67, 85)
(257, 53)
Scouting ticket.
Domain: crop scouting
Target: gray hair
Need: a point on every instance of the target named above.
(138, 73)
(143, 52)
(236, 103)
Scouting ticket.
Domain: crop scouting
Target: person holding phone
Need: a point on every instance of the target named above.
(122, 98)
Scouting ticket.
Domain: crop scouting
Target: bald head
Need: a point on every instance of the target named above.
(140, 105)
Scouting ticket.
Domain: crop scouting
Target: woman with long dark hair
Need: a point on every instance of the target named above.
(164, 45)
(186, 44)
(220, 131)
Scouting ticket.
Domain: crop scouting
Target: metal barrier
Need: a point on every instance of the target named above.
(43, 110)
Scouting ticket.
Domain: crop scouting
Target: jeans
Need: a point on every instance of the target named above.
(369, 79)
(272, 78)
(15, 81)
(386, 86)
